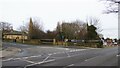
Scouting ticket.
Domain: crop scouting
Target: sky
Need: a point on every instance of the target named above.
(18, 12)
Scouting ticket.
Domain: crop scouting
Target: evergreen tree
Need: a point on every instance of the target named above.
(91, 32)
(59, 32)
(30, 30)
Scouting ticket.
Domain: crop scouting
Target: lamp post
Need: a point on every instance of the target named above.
(23, 37)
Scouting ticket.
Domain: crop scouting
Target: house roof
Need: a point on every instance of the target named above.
(15, 33)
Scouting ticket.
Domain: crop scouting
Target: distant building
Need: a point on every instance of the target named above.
(109, 41)
(15, 35)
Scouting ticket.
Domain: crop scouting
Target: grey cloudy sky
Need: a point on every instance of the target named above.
(51, 11)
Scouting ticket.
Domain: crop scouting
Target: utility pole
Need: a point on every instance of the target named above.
(1, 38)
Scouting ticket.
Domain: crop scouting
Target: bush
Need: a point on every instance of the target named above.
(100, 44)
(33, 41)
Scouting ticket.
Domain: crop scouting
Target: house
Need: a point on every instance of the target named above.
(110, 42)
(15, 35)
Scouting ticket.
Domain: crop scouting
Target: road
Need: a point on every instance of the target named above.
(36, 56)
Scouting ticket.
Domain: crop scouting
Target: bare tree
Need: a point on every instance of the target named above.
(112, 6)
(5, 27)
(23, 28)
(72, 30)
(38, 23)
(33, 28)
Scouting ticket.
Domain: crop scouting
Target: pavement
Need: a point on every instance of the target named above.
(35, 56)
(9, 51)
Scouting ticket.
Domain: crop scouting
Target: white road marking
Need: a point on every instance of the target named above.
(117, 55)
(54, 53)
(8, 59)
(67, 49)
(34, 56)
(40, 63)
(68, 55)
(89, 59)
(46, 58)
(71, 51)
(16, 58)
(21, 58)
(29, 61)
(25, 57)
(71, 65)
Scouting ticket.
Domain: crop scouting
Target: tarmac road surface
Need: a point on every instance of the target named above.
(35, 56)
